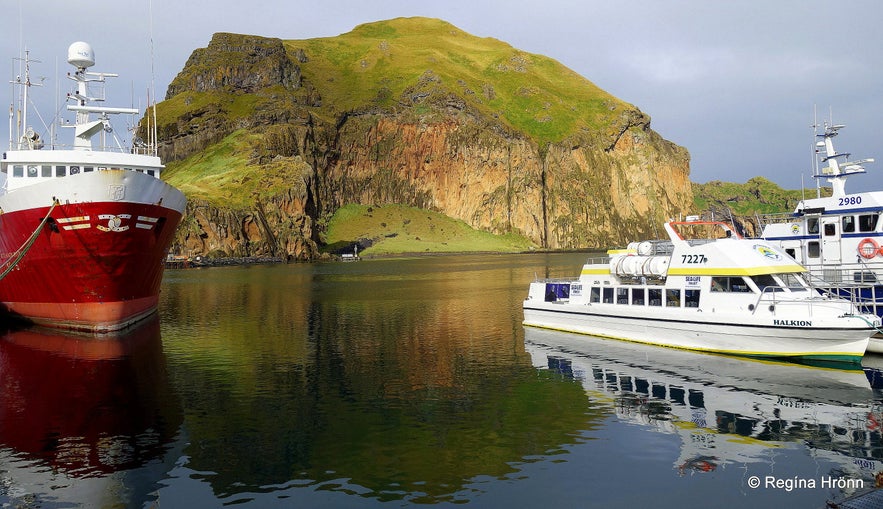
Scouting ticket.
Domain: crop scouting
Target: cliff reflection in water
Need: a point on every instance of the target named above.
(382, 379)
(80, 414)
(727, 410)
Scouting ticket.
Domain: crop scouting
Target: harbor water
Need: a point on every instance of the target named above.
(411, 382)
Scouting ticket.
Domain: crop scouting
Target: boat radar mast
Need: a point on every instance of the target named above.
(81, 56)
(836, 172)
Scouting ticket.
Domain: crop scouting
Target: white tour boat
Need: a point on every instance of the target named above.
(727, 295)
(838, 238)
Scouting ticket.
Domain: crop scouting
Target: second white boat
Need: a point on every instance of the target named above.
(725, 295)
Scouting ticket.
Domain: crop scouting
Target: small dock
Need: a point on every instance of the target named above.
(177, 262)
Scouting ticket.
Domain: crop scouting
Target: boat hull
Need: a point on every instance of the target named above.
(96, 263)
(716, 334)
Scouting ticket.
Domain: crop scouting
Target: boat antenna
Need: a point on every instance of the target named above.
(152, 132)
(814, 153)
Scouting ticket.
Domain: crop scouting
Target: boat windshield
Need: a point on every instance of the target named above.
(793, 281)
(779, 282)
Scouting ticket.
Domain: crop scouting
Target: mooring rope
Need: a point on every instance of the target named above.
(23, 250)
(870, 323)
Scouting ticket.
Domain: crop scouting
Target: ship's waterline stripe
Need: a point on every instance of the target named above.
(840, 356)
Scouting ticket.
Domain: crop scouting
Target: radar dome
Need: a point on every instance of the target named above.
(80, 55)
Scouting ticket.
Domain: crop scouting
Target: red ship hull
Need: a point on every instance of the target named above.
(94, 266)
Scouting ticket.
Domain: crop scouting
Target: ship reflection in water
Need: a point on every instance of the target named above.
(727, 410)
(81, 416)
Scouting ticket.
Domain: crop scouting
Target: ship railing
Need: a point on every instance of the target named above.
(856, 283)
(857, 274)
(135, 148)
(767, 295)
(772, 296)
(863, 290)
(555, 280)
(774, 218)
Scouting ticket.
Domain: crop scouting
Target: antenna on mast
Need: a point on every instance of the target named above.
(817, 145)
(153, 133)
(22, 132)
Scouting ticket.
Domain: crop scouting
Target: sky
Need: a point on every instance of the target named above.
(739, 84)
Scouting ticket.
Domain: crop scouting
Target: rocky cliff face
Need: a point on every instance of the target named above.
(435, 148)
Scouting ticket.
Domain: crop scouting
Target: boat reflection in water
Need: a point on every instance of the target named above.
(726, 410)
(82, 416)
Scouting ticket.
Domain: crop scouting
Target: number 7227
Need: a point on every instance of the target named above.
(693, 258)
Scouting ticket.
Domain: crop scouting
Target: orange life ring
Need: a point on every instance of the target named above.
(868, 248)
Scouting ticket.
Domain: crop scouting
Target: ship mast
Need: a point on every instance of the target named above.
(81, 56)
(836, 172)
(27, 139)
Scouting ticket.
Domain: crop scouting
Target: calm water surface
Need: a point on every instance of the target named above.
(391, 383)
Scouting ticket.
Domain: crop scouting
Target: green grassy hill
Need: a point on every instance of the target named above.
(756, 196)
(396, 229)
(386, 66)
(381, 64)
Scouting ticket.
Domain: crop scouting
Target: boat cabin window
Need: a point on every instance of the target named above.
(46, 170)
(622, 295)
(830, 229)
(729, 284)
(654, 296)
(60, 171)
(87, 169)
(608, 295)
(638, 296)
(868, 222)
(848, 223)
(672, 298)
(691, 298)
(595, 294)
(75, 170)
(557, 291)
(18, 171)
(32, 170)
(812, 249)
(812, 225)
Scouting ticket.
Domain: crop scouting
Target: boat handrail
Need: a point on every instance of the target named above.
(559, 280)
(852, 292)
(700, 242)
(776, 218)
(821, 295)
(135, 148)
(674, 229)
(857, 274)
(770, 289)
